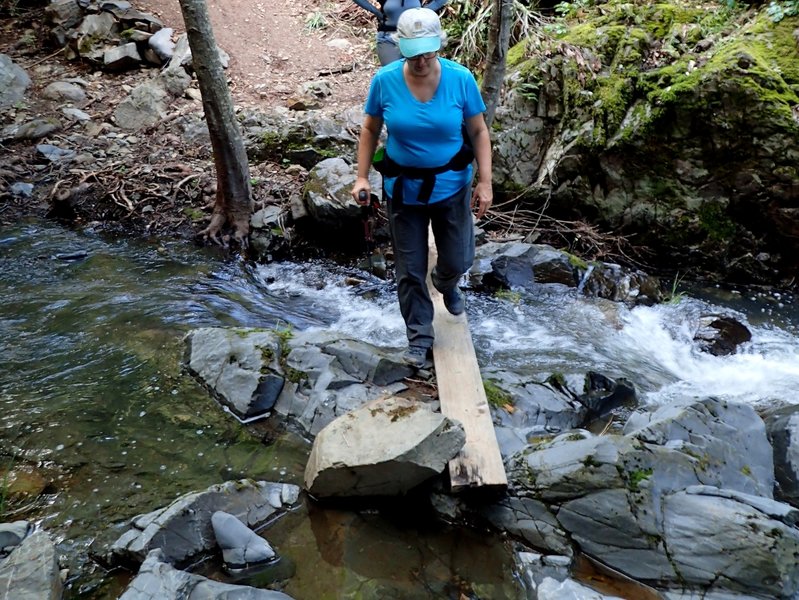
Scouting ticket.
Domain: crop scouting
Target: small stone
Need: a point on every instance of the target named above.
(241, 547)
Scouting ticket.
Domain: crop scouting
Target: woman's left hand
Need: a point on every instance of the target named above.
(482, 197)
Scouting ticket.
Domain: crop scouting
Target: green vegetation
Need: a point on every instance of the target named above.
(591, 462)
(569, 10)
(715, 222)
(469, 23)
(508, 295)
(5, 487)
(577, 262)
(284, 335)
(675, 296)
(777, 11)
(195, 214)
(638, 476)
(496, 396)
(516, 54)
(557, 380)
(529, 90)
(315, 20)
(703, 460)
(624, 68)
(28, 38)
(294, 375)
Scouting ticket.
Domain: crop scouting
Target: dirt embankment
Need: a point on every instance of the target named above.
(154, 181)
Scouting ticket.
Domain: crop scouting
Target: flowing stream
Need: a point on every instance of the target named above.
(99, 423)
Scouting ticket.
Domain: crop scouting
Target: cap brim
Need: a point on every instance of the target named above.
(410, 47)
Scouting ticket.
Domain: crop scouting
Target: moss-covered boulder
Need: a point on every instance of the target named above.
(303, 138)
(676, 122)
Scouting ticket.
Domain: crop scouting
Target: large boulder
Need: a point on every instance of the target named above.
(782, 425)
(682, 499)
(385, 448)
(323, 375)
(641, 119)
(241, 369)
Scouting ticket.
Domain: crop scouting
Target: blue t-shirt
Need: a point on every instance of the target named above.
(425, 134)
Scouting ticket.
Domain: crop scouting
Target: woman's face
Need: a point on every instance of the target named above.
(422, 65)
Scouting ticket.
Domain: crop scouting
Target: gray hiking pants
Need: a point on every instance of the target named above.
(387, 49)
(451, 221)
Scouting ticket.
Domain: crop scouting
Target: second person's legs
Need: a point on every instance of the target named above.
(387, 49)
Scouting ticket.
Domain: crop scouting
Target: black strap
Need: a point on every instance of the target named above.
(389, 168)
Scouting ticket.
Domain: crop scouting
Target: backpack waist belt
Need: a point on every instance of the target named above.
(389, 168)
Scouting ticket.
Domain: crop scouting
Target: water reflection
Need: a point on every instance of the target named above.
(398, 553)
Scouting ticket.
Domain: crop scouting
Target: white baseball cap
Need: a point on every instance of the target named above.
(418, 32)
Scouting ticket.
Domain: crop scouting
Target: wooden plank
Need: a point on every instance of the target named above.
(462, 396)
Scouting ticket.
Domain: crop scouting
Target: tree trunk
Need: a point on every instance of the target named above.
(498, 42)
(233, 191)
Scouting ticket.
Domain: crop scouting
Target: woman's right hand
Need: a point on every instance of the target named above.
(361, 185)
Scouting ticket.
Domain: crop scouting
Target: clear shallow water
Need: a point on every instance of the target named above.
(96, 414)
(99, 421)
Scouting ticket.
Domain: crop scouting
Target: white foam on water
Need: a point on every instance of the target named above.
(565, 332)
(325, 292)
(762, 370)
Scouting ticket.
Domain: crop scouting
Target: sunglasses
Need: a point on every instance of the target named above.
(425, 56)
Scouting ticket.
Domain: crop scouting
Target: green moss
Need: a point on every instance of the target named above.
(314, 186)
(591, 462)
(516, 55)
(495, 395)
(756, 60)
(584, 35)
(268, 355)
(283, 338)
(608, 80)
(703, 460)
(636, 477)
(557, 380)
(195, 214)
(508, 295)
(294, 375)
(715, 222)
(126, 34)
(272, 140)
(577, 262)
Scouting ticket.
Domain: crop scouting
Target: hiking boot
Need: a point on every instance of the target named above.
(415, 356)
(454, 300)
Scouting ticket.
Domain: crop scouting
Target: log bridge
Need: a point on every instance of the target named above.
(462, 396)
